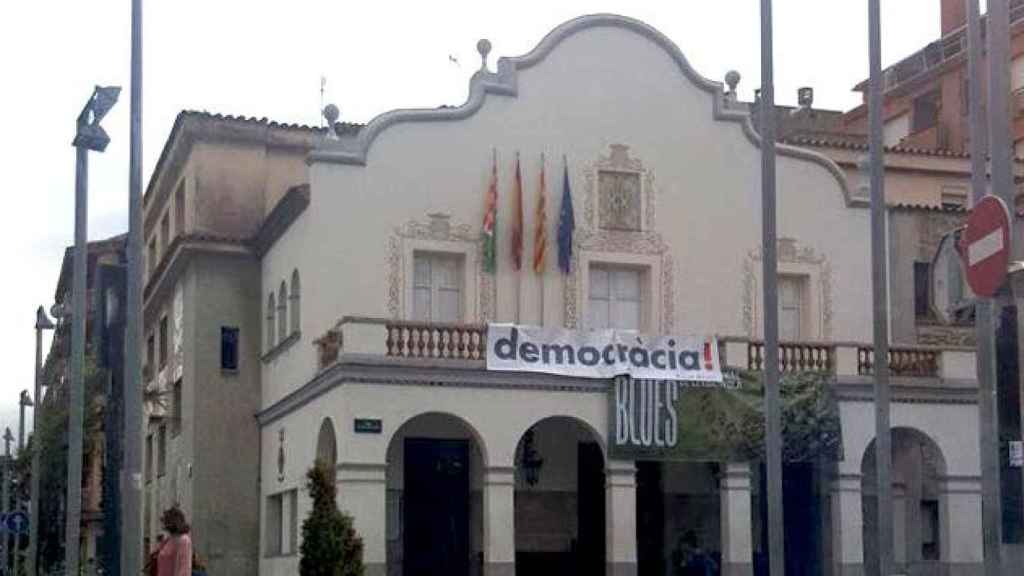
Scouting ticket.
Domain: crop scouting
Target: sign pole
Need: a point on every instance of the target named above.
(773, 419)
(883, 433)
(984, 330)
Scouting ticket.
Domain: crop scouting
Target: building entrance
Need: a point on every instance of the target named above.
(436, 511)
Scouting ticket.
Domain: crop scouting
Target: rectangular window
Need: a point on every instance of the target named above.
(615, 298)
(293, 522)
(228, 348)
(150, 356)
(163, 342)
(437, 287)
(272, 533)
(151, 257)
(149, 457)
(922, 303)
(179, 209)
(926, 112)
(176, 409)
(161, 451)
(165, 231)
(791, 307)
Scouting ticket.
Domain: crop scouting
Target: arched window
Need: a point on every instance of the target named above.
(294, 314)
(326, 444)
(271, 309)
(282, 312)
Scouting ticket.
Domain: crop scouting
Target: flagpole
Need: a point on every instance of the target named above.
(773, 424)
(540, 273)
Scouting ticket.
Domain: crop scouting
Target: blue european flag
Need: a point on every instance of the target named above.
(566, 225)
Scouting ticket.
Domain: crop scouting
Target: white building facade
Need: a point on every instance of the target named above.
(374, 363)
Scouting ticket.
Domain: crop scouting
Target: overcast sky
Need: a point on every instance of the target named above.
(265, 59)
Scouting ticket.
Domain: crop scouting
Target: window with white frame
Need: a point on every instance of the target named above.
(437, 287)
(615, 298)
(282, 524)
(792, 298)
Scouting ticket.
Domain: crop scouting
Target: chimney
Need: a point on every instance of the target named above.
(954, 15)
(805, 97)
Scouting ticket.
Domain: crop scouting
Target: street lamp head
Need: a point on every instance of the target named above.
(104, 98)
(90, 134)
(25, 399)
(43, 321)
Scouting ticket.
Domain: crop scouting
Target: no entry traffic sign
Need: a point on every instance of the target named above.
(985, 246)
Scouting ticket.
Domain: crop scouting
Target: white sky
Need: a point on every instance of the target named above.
(264, 58)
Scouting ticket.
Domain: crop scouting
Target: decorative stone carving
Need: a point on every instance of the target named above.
(941, 335)
(620, 200)
(439, 227)
(618, 225)
(788, 250)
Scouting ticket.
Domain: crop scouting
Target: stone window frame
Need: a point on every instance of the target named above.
(650, 267)
(463, 253)
(794, 259)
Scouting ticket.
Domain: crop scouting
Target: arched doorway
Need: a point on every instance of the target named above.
(918, 467)
(559, 499)
(434, 521)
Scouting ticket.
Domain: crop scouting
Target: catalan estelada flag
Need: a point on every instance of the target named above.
(540, 225)
(517, 220)
(490, 228)
(566, 226)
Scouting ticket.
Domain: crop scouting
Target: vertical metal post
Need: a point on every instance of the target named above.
(773, 424)
(23, 402)
(42, 323)
(79, 317)
(131, 475)
(879, 280)
(5, 493)
(991, 508)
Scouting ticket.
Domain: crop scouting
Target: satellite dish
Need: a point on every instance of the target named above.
(951, 297)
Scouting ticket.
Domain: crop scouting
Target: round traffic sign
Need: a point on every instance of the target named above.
(17, 522)
(985, 246)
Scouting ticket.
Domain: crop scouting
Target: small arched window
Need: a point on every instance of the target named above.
(271, 309)
(282, 312)
(294, 304)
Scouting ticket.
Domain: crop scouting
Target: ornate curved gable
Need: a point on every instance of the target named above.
(505, 82)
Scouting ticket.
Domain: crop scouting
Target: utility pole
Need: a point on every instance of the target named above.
(42, 323)
(772, 411)
(131, 475)
(88, 136)
(880, 317)
(24, 401)
(988, 435)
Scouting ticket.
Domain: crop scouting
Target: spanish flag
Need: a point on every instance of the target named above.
(540, 228)
(491, 219)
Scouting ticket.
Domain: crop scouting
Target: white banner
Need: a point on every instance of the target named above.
(602, 353)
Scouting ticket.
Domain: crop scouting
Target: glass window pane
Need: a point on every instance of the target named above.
(597, 311)
(625, 315)
(421, 270)
(448, 305)
(421, 304)
(446, 272)
(627, 285)
(598, 283)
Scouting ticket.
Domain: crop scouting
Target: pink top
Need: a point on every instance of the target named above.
(175, 557)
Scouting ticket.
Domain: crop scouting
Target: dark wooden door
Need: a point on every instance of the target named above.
(436, 512)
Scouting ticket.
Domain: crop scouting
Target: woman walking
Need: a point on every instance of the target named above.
(175, 555)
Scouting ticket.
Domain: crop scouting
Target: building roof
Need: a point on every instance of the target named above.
(855, 142)
(112, 244)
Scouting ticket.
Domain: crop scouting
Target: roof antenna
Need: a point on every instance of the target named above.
(323, 85)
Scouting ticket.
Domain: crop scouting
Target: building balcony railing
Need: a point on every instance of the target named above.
(412, 342)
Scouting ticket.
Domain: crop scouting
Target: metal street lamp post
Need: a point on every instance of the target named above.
(24, 401)
(88, 136)
(42, 323)
(5, 493)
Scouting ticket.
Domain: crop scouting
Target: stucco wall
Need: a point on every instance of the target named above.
(598, 87)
